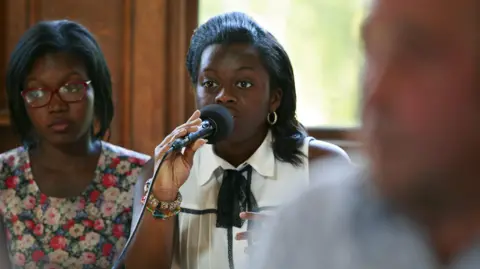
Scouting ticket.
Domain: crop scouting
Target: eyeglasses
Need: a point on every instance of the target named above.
(69, 93)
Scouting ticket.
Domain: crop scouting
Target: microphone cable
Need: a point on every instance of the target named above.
(119, 260)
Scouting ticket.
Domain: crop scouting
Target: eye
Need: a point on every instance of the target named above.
(244, 84)
(72, 88)
(35, 94)
(209, 84)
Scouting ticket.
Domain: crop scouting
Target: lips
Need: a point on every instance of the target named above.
(59, 125)
(232, 111)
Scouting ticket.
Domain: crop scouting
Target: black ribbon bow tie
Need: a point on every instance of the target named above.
(234, 197)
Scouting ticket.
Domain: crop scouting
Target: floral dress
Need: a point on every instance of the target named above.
(79, 232)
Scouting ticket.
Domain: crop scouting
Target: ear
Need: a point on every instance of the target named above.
(275, 99)
(96, 125)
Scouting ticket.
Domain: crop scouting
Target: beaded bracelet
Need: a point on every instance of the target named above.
(160, 209)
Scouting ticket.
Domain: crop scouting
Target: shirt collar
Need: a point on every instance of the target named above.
(262, 161)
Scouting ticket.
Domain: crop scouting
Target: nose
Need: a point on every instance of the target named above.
(225, 96)
(57, 104)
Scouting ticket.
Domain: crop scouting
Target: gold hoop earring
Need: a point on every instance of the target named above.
(269, 118)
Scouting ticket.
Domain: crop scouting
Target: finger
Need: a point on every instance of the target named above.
(190, 150)
(187, 125)
(181, 132)
(194, 116)
(177, 133)
(196, 121)
(253, 216)
(242, 236)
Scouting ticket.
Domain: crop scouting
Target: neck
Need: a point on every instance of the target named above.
(236, 153)
(451, 227)
(66, 153)
(453, 234)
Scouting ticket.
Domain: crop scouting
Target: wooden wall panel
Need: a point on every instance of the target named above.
(105, 19)
(161, 97)
(144, 42)
(148, 75)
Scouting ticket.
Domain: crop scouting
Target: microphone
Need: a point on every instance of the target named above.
(217, 124)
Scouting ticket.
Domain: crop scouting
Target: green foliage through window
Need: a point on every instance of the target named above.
(322, 39)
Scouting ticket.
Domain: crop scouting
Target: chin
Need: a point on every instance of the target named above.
(62, 139)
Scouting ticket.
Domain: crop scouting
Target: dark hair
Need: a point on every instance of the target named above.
(288, 133)
(52, 37)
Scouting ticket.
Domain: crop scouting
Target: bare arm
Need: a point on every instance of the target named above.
(323, 157)
(318, 150)
(4, 260)
(153, 244)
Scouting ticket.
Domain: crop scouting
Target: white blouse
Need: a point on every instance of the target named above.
(200, 244)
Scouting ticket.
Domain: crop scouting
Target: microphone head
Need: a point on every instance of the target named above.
(222, 119)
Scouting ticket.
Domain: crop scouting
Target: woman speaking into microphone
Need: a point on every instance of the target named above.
(214, 192)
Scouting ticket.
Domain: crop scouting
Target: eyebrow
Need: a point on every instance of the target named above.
(64, 78)
(241, 68)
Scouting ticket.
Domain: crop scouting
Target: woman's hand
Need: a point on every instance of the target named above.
(256, 231)
(176, 167)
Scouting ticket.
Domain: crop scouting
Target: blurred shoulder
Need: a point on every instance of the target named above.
(320, 149)
(12, 159)
(317, 217)
(116, 154)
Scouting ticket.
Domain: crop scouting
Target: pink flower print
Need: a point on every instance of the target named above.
(94, 196)
(114, 162)
(38, 230)
(92, 239)
(58, 256)
(76, 230)
(29, 202)
(99, 225)
(14, 218)
(111, 194)
(43, 199)
(118, 230)
(123, 167)
(108, 208)
(52, 215)
(52, 266)
(12, 182)
(81, 204)
(11, 159)
(19, 259)
(58, 242)
(2, 207)
(69, 224)
(87, 223)
(8, 195)
(109, 180)
(89, 258)
(37, 255)
(107, 249)
(30, 224)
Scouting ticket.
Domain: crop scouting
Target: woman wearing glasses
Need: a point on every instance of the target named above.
(65, 196)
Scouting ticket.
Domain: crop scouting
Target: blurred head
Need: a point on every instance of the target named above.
(234, 62)
(57, 83)
(422, 97)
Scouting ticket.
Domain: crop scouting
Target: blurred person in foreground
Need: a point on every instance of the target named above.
(417, 206)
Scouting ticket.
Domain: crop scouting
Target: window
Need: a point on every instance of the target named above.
(322, 40)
